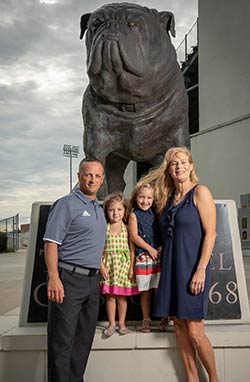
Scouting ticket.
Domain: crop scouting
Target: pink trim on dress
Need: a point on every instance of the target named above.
(113, 289)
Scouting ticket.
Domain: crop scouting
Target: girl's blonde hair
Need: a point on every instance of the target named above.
(161, 179)
(115, 197)
(139, 185)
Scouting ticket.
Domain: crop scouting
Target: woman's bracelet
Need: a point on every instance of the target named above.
(201, 268)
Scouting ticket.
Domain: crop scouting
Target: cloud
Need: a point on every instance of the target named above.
(42, 79)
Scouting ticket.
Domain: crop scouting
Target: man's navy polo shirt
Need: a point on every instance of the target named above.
(77, 224)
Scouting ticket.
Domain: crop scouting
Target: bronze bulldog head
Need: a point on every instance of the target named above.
(128, 51)
(135, 106)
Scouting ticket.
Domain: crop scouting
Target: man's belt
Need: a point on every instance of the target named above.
(80, 270)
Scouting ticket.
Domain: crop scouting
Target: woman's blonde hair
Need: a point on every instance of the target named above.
(115, 197)
(161, 179)
(138, 187)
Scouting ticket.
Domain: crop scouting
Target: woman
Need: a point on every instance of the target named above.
(188, 223)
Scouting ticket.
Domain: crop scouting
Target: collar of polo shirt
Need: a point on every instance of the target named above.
(84, 197)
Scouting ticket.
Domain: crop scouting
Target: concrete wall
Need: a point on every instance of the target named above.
(224, 57)
(222, 160)
(135, 357)
(221, 149)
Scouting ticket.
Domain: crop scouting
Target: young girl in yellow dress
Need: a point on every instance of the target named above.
(117, 268)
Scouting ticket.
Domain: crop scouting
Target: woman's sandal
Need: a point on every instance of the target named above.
(109, 331)
(145, 328)
(163, 325)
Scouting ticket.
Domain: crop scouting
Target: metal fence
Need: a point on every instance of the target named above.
(10, 226)
(190, 41)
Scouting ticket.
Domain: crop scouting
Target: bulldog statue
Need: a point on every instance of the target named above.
(135, 106)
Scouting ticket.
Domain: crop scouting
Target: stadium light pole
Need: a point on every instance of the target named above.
(71, 152)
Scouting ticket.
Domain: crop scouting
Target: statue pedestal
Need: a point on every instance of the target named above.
(135, 357)
(228, 301)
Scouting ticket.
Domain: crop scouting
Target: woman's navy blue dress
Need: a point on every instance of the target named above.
(182, 239)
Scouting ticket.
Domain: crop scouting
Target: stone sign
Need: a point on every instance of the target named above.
(228, 300)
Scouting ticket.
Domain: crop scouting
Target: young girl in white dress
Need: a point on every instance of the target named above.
(144, 233)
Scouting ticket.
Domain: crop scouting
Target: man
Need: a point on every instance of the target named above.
(74, 241)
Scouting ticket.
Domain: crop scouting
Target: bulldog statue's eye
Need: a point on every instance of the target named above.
(96, 24)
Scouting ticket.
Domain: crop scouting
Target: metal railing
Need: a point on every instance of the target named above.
(10, 226)
(190, 41)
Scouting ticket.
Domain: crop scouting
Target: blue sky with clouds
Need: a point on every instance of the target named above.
(42, 79)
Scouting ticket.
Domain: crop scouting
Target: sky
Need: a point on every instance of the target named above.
(42, 80)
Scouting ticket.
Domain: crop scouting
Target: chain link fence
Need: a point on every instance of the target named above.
(10, 227)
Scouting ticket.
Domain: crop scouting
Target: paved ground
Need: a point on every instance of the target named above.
(11, 277)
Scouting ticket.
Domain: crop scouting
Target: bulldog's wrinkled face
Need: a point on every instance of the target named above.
(127, 46)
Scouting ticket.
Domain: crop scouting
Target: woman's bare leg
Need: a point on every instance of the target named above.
(203, 346)
(187, 350)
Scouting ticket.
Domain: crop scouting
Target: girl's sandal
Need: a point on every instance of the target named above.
(123, 331)
(109, 331)
(163, 325)
(145, 328)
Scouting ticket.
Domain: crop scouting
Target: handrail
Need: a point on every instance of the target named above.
(188, 43)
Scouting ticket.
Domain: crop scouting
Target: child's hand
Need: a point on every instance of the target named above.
(159, 251)
(104, 272)
(131, 273)
(153, 253)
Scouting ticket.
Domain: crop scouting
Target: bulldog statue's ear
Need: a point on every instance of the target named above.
(168, 19)
(84, 24)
